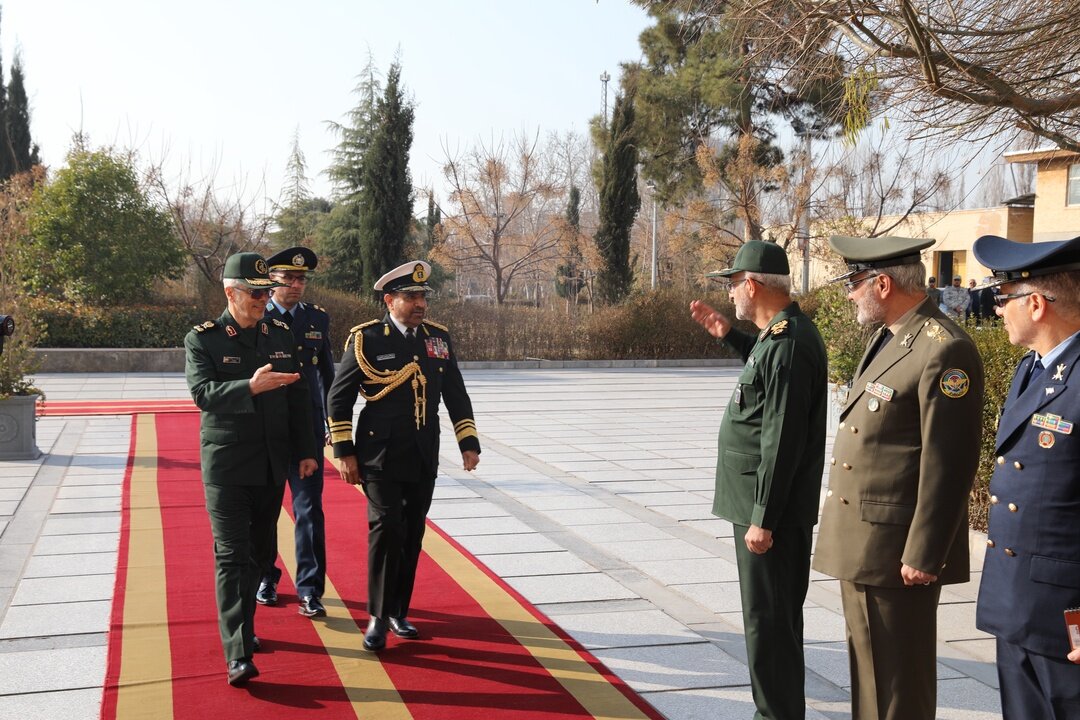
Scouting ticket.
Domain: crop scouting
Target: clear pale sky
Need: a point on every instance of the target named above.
(227, 82)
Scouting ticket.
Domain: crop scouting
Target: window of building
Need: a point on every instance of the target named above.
(1073, 193)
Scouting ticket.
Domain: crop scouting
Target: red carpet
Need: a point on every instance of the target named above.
(484, 653)
(114, 407)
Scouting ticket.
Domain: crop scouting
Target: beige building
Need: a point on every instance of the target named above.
(1051, 213)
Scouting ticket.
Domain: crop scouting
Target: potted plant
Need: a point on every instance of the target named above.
(18, 362)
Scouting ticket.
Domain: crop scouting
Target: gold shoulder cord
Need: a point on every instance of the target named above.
(392, 379)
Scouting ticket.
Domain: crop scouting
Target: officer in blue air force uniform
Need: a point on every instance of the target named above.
(244, 376)
(402, 365)
(310, 326)
(1032, 570)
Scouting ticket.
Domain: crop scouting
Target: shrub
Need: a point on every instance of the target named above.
(845, 340)
(66, 325)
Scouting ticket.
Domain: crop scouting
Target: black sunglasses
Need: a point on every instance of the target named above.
(255, 294)
(1000, 299)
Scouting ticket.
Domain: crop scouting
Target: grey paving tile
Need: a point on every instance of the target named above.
(576, 501)
(719, 597)
(58, 705)
(543, 563)
(647, 465)
(483, 526)
(42, 670)
(68, 491)
(65, 544)
(61, 525)
(674, 667)
(99, 563)
(8, 507)
(633, 628)
(956, 621)
(23, 621)
(55, 590)
(713, 703)
(669, 549)
(966, 699)
(12, 494)
(617, 533)
(652, 499)
(716, 527)
(590, 516)
(984, 650)
(85, 505)
(702, 510)
(483, 545)
(616, 475)
(570, 588)
(449, 492)
(449, 510)
(693, 570)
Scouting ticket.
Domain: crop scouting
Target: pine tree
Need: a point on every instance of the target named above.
(619, 202)
(7, 160)
(569, 281)
(386, 191)
(23, 152)
(297, 190)
(431, 222)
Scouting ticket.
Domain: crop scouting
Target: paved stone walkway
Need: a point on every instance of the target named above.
(592, 500)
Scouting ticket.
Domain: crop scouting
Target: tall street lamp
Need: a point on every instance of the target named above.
(652, 191)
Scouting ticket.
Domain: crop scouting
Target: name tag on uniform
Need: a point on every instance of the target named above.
(280, 355)
(437, 348)
(737, 396)
(387, 356)
(882, 391)
(230, 360)
(313, 335)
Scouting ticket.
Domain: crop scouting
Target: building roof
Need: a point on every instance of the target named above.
(1040, 154)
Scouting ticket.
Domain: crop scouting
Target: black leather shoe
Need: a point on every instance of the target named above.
(242, 670)
(375, 636)
(403, 628)
(311, 607)
(267, 594)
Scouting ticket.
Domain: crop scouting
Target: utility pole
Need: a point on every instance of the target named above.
(652, 191)
(604, 77)
(804, 216)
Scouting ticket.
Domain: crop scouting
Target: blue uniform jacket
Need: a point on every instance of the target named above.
(311, 330)
(1032, 569)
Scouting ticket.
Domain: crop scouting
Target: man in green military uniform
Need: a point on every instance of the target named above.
(256, 419)
(894, 524)
(770, 456)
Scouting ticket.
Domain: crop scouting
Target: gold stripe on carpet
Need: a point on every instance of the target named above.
(145, 683)
(595, 692)
(370, 691)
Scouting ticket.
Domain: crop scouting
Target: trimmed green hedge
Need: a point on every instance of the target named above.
(63, 325)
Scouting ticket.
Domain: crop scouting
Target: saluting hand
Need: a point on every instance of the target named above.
(349, 469)
(266, 379)
(308, 466)
(705, 315)
(470, 459)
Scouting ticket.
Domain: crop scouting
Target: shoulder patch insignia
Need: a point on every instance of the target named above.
(231, 331)
(955, 383)
(203, 327)
(437, 325)
(317, 307)
(936, 332)
(779, 328)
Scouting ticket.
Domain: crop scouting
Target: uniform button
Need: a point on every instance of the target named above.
(1001, 460)
(828, 494)
(1010, 552)
(1018, 465)
(371, 433)
(846, 466)
(299, 347)
(854, 430)
(989, 543)
(1012, 507)
(832, 460)
(440, 369)
(843, 425)
(415, 357)
(993, 499)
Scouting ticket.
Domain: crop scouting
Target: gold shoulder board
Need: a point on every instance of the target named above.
(361, 326)
(281, 324)
(203, 327)
(437, 325)
(779, 328)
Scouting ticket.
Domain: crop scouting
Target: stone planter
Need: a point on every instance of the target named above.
(18, 428)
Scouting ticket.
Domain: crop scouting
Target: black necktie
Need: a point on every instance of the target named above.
(410, 334)
(881, 342)
(1036, 371)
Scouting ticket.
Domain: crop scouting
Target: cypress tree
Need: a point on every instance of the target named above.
(17, 121)
(619, 202)
(7, 160)
(386, 196)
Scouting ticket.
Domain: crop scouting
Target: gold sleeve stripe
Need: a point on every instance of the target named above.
(467, 421)
(343, 435)
(466, 432)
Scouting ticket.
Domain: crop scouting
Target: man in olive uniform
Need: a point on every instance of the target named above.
(894, 524)
(1032, 570)
(771, 453)
(256, 420)
(310, 326)
(401, 365)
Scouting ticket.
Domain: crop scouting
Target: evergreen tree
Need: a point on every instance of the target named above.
(568, 276)
(301, 214)
(7, 161)
(386, 191)
(24, 154)
(297, 190)
(431, 222)
(619, 202)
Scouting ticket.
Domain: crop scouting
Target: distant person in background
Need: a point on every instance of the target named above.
(933, 291)
(955, 299)
(974, 308)
(986, 300)
(310, 327)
